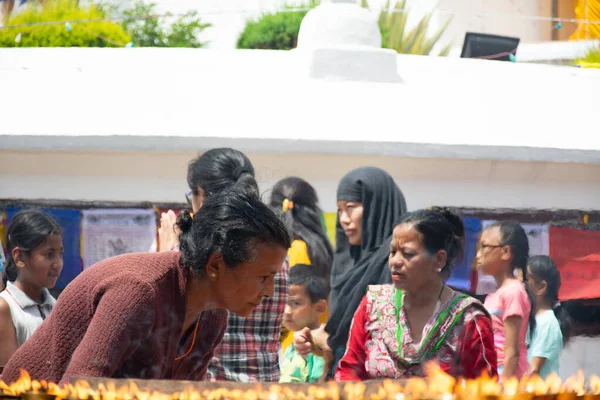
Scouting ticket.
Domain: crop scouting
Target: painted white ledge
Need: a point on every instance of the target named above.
(262, 101)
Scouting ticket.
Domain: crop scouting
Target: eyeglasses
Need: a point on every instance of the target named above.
(490, 246)
(188, 197)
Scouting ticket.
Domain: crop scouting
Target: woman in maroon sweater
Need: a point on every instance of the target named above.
(160, 315)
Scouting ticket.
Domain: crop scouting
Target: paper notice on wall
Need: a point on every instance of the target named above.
(539, 239)
(112, 232)
(539, 244)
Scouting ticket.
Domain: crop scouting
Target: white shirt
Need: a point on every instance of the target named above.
(26, 314)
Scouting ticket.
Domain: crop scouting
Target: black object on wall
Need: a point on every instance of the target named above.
(489, 47)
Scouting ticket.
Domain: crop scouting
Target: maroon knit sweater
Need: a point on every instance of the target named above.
(121, 318)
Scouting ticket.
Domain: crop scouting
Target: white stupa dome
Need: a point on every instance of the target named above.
(340, 40)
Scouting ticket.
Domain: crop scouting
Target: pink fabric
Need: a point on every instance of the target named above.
(372, 350)
(510, 300)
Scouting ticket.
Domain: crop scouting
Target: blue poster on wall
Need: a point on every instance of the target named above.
(461, 277)
(69, 221)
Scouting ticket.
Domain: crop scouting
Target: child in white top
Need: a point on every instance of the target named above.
(34, 263)
(552, 328)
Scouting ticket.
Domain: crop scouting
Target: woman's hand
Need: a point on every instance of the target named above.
(319, 340)
(168, 233)
(303, 342)
(322, 349)
(307, 341)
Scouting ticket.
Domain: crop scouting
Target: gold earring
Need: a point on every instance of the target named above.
(213, 275)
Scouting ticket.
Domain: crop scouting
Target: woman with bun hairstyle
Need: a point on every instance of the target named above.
(248, 351)
(397, 328)
(209, 174)
(301, 213)
(161, 315)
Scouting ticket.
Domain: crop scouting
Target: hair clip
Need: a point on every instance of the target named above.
(287, 205)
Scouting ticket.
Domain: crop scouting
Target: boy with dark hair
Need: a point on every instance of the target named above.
(307, 300)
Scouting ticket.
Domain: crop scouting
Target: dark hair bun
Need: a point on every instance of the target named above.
(184, 221)
(454, 219)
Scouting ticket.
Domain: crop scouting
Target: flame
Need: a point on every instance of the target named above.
(415, 388)
(535, 385)
(554, 383)
(21, 385)
(438, 381)
(436, 385)
(595, 384)
(575, 384)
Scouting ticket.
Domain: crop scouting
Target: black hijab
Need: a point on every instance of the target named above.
(356, 267)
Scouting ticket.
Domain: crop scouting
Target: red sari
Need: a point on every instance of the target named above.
(458, 337)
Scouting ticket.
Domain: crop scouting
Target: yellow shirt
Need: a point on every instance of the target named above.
(298, 254)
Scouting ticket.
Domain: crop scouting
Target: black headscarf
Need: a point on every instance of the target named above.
(356, 267)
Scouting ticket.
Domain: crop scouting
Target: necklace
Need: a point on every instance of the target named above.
(193, 341)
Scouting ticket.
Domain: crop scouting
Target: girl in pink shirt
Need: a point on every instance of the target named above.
(504, 248)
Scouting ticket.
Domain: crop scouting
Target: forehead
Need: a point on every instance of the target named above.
(268, 260)
(406, 234)
(298, 291)
(52, 241)
(491, 234)
(529, 270)
(343, 203)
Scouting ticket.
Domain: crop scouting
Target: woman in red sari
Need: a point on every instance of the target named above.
(398, 327)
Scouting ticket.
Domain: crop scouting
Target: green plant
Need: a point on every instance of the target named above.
(152, 32)
(591, 58)
(89, 34)
(279, 31)
(274, 31)
(394, 33)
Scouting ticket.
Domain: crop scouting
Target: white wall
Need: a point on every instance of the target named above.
(580, 353)
(161, 177)
(501, 17)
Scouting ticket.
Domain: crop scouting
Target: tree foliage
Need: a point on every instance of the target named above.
(46, 26)
(155, 32)
(49, 26)
(279, 30)
(274, 31)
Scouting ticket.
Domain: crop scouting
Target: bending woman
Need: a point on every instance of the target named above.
(248, 351)
(417, 319)
(161, 315)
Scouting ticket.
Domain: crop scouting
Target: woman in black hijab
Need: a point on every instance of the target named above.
(369, 204)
